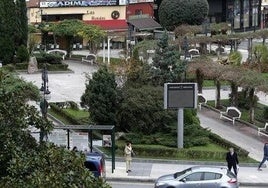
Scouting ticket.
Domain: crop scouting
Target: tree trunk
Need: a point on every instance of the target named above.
(218, 94)
(199, 80)
(251, 105)
(234, 94)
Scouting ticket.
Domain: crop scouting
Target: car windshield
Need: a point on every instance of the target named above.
(177, 174)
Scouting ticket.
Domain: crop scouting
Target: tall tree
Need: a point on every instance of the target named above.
(23, 161)
(7, 30)
(94, 35)
(68, 29)
(100, 97)
(173, 13)
(21, 34)
(167, 66)
(15, 117)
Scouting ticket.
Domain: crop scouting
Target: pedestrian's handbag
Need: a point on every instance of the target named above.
(132, 153)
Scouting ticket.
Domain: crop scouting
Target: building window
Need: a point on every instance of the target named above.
(255, 13)
(237, 12)
(246, 13)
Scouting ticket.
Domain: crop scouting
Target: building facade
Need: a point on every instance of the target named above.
(242, 14)
(110, 15)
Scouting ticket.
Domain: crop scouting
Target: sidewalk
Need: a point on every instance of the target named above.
(149, 172)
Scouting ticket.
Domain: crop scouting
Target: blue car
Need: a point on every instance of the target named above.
(95, 162)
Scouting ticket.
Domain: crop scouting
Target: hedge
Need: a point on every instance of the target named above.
(227, 144)
(175, 153)
(56, 108)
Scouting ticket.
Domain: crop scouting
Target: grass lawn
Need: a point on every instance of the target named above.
(59, 117)
(77, 113)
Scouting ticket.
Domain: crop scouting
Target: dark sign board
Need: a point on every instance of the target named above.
(180, 95)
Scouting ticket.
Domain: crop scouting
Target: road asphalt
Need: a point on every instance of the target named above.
(70, 86)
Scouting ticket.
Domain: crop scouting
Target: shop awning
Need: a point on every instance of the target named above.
(110, 25)
(143, 24)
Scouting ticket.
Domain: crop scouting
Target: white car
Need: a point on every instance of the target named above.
(199, 177)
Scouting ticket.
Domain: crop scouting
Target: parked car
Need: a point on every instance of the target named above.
(199, 176)
(95, 162)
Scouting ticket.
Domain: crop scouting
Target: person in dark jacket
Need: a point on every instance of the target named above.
(232, 160)
(265, 156)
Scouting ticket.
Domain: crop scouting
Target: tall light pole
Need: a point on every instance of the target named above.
(44, 103)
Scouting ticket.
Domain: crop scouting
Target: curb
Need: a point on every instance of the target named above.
(129, 179)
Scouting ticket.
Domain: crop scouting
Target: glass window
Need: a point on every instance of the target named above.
(212, 176)
(255, 12)
(246, 13)
(237, 12)
(194, 177)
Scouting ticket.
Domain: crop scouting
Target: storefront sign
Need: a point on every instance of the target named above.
(140, 1)
(78, 3)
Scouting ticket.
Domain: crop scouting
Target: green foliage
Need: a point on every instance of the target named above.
(145, 45)
(141, 110)
(16, 116)
(68, 28)
(72, 119)
(22, 54)
(100, 97)
(7, 30)
(167, 66)
(216, 153)
(265, 113)
(43, 58)
(260, 53)
(24, 162)
(227, 144)
(235, 58)
(21, 66)
(138, 74)
(173, 13)
(50, 166)
(243, 99)
(94, 35)
(21, 34)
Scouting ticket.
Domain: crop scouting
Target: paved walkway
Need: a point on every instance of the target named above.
(70, 87)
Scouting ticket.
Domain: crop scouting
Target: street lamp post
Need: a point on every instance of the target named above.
(44, 103)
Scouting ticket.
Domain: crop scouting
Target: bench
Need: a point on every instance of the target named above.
(63, 53)
(263, 130)
(201, 100)
(194, 53)
(231, 113)
(90, 58)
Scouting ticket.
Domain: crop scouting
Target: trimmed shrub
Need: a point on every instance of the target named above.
(43, 58)
(21, 66)
(22, 54)
(265, 113)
